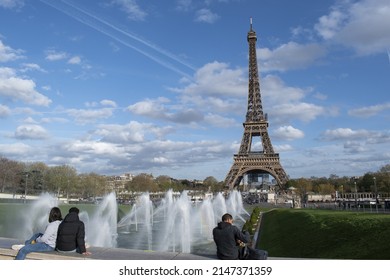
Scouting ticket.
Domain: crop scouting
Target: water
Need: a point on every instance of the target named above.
(37, 217)
(173, 224)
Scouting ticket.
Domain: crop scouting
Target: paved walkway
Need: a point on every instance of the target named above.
(99, 253)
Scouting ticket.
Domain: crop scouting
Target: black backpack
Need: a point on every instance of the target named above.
(247, 253)
(257, 254)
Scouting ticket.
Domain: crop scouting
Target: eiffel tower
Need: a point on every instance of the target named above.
(249, 161)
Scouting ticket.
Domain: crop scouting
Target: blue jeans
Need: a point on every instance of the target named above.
(36, 247)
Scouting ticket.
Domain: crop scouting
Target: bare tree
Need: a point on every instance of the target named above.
(10, 171)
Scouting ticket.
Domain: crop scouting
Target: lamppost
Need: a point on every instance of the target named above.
(376, 195)
(25, 186)
(342, 195)
(355, 196)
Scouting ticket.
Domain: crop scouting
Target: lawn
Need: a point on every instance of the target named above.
(325, 234)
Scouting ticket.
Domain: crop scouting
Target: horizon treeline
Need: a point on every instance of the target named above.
(34, 178)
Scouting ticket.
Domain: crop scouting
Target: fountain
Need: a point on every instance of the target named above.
(36, 218)
(100, 228)
(174, 224)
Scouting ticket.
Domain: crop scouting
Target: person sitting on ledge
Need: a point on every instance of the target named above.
(71, 234)
(227, 237)
(45, 242)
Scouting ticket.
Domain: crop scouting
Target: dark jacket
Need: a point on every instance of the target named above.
(225, 237)
(71, 234)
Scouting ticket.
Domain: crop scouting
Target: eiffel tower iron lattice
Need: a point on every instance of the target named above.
(256, 124)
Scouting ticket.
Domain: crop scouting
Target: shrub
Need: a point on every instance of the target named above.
(250, 224)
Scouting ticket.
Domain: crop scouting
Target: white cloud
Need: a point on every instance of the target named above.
(54, 120)
(31, 131)
(355, 147)
(216, 79)
(276, 91)
(9, 54)
(205, 15)
(94, 148)
(20, 89)
(369, 111)
(183, 5)
(15, 149)
(109, 103)
(83, 116)
(329, 25)
(219, 89)
(31, 67)
(30, 120)
(132, 9)
(283, 148)
(286, 103)
(288, 133)
(75, 60)
(10, 4)
(302, 111)
(361, 25)
(141, 156)
(345, 133)
(219, 121)
(290, 56)
(156, 110)
(133, 132)
(53, 55)
(4, 111)
(153, 108)
(161, 160)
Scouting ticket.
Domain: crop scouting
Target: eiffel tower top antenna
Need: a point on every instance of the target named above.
(255, 107)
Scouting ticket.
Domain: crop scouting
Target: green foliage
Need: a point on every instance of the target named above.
(142, 183)
(325, 234)
(250, 224)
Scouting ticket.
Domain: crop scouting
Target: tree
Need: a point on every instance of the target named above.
(31, 178)
(164, 182)
(142, 183)
(385, 169)
(325, 189)
(91, 185)
(10, 172)
(211, 184)
(302, 187)
(61, 179)
(37, 176)
(366, 184)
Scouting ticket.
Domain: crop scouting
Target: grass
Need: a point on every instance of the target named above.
(325, 234)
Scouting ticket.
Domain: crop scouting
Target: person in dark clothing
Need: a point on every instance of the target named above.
(71, 234)
(227, 237)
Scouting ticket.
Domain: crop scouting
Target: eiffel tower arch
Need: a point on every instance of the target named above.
(255, 158)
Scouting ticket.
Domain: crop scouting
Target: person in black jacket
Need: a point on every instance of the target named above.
(71, 234)
(227, 237)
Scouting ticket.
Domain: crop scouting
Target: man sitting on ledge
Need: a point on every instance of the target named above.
(226, 237)
(71, 234)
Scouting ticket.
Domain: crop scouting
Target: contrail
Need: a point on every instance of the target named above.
(156, 48)
(86, 21)
(388, 54)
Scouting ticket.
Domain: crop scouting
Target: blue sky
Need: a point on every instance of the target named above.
(161, 86)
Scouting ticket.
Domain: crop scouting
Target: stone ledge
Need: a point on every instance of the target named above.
(98, 253)
(9, 254)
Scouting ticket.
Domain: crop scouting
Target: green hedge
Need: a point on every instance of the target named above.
(251, 223)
